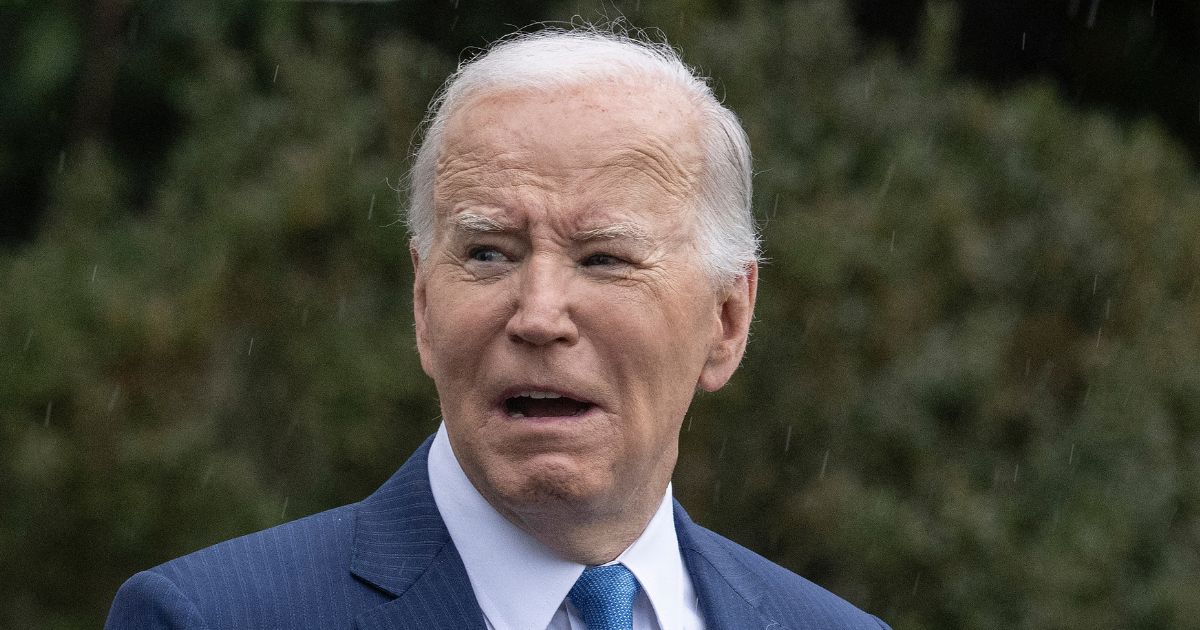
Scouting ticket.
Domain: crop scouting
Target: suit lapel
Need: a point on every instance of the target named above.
(402, 547)
(731, 596)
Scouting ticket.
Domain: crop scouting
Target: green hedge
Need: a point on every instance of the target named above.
(971, 398)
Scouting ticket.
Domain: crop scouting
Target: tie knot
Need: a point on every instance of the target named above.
(604, 597)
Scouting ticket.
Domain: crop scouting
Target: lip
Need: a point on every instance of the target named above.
(518, 389)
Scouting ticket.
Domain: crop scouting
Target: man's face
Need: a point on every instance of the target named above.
(563, 311)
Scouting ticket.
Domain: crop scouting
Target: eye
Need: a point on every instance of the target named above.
(606, 260)
(486, 254)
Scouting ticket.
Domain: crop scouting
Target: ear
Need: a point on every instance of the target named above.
(419, 313)
(736, 311)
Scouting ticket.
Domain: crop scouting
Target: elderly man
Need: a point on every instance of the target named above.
(585, 259)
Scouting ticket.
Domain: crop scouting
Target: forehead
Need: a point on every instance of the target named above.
(630, 138)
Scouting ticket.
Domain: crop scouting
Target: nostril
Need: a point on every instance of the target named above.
(541, 323)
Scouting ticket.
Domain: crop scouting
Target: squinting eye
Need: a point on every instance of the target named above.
(601, 259)
(486, 254)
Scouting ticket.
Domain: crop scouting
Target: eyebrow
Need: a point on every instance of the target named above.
(623, 230)
(475, 223)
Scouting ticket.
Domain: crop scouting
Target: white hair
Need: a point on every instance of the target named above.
(555, 58)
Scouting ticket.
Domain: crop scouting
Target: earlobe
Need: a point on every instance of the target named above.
(736, 312)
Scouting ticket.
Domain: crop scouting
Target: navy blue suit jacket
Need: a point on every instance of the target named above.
(388, 562)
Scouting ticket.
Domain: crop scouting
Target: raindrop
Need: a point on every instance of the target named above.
(787, 440)
(1024, 35)
(1016, 472)
(94, 269)
(689, 426)
(371, 210)
(251, 348)
(276, 75)
(283, 512)
(892, 244)
(112, 400)
(1095, 282)
(916, 583)
(204, 479)
(716, 492)
(1071, 457)
(1091, 20)
(824, 464)
(1153, 3)
(49, 408)
(28, 339)
(1098, 332)
(887, 183)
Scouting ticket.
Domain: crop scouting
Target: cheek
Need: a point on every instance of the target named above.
(459, 321)
(653, 347)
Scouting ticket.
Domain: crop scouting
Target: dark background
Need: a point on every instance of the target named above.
(1135, 59)
(971, 398)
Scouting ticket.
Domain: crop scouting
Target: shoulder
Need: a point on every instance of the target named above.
(285, 576)
(782, 595)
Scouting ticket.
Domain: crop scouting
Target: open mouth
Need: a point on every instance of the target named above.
(543, 405)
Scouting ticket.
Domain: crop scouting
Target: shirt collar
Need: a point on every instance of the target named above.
(655, 560)
(520, 583)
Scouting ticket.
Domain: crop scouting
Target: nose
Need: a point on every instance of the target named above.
(543, 311)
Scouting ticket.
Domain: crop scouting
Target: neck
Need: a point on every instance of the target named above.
(589, 541)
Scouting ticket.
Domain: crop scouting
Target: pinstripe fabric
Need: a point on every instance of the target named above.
(388, 562)
(739, 589)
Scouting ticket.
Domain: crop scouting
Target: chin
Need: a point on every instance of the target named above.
(553, 486)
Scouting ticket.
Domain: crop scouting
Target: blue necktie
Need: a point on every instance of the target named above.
(604, 597)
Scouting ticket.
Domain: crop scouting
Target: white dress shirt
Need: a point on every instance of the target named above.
(521, 585)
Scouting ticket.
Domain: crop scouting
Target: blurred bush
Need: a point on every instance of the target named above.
(970, 401)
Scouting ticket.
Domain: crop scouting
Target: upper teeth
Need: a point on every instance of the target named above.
(540, 395)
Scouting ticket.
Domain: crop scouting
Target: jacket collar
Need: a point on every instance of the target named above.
(401, 546)
(731, 595)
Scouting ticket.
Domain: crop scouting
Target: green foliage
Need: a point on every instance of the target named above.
(970, 399)
(237, 355)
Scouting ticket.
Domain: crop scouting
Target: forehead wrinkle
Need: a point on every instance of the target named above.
(484, 175)
(477, 167)
(656, 161)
